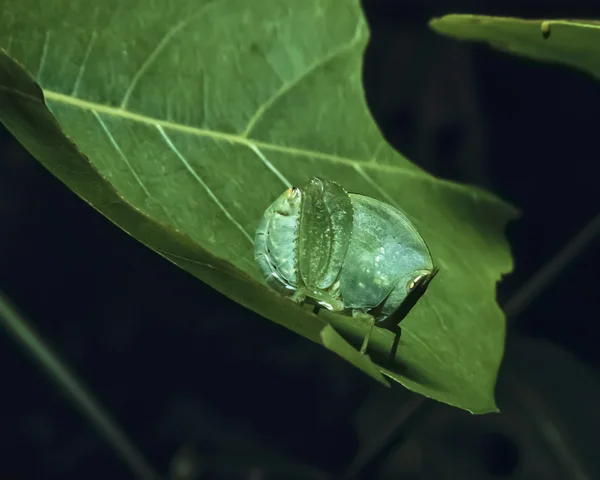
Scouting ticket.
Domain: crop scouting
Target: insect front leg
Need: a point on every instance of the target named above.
(370, 319)
(299, 296)
(320, 297)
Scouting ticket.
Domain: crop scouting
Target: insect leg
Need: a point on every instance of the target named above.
(371, 323)
(299, 296)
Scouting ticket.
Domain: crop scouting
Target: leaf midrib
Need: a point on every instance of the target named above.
(249, 142)
(214, 134)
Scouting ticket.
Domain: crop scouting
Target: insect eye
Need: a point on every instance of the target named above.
(415, 282)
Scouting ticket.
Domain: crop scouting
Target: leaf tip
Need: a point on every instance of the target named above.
(489, 408)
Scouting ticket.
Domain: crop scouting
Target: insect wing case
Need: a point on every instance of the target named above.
(324, 233)
(385, 250)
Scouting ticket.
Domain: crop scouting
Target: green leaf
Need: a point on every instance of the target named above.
(575, 43)
(182, 120)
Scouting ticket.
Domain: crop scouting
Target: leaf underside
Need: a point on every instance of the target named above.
(182, 120)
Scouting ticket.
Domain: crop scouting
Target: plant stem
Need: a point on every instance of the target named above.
(24, 333)
(402, 422)
(542, 417)
(548, 273)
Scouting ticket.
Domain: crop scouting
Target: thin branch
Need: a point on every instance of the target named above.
(401, 423)
(536, 410)
(24, 334)
(548, 273)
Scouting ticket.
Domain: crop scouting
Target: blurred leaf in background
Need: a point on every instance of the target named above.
(574, 43)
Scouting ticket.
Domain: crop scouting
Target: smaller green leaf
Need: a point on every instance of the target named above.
(334, 342)
(575, 43)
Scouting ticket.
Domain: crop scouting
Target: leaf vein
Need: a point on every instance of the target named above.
(286, 87)
(376, 151)
(88, 50)
(270, 166)
(439, 317)
(121, 153)
(424, 344)
(8, 44)
(150, 59)
(44, 54)
(18, 93)
(197, 177)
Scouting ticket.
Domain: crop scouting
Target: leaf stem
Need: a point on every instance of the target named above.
(17, 326)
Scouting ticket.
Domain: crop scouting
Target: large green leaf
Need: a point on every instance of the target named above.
(575, 43)
(187, 119)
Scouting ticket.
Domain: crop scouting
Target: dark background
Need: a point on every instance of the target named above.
(243, 392)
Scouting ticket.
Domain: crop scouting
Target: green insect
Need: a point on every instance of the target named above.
(346, 252)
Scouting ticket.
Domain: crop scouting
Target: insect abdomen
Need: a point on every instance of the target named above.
(282, 245)
(276, 245)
